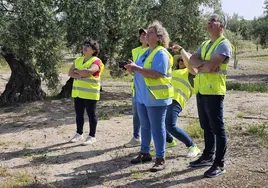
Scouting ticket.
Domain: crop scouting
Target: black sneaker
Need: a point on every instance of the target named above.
(201, 162)
(159, 165)
(214, 171)
(142, 158)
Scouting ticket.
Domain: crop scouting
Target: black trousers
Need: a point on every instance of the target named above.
(210, 111)
(90, 105)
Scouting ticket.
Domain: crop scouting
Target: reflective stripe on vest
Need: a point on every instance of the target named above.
(182, 87)
(212, 83)
(160, 88)
(87, 88)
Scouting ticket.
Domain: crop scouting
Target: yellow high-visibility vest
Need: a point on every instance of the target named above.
(183, 90)
(136, 53)
(89, 87)
(211, 83)
(161, 88)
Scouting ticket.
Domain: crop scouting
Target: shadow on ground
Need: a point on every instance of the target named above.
(55, 113)
(96, 174)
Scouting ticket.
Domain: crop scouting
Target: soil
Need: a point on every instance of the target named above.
(35, 138)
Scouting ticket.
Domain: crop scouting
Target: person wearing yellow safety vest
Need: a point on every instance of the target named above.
(211, 60)
(153, 94)
(86, 72)
(183, 84)
(136, 53)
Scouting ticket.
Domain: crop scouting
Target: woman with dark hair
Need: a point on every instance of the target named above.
(183, 84)
(136, 53)
(86, 72)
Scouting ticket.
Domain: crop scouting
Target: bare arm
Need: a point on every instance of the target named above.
(73, 72)
(90, 71)
(148, 73)
(213, 64)
(195, 61)
(186, 58)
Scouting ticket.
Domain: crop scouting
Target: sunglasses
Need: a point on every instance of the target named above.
(86, 46)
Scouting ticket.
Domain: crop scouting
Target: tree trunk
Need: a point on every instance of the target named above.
(24, 83)
(66, 90)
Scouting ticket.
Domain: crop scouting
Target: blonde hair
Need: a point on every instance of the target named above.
(161, 32)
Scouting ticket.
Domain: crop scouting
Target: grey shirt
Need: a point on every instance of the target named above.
(223, 48)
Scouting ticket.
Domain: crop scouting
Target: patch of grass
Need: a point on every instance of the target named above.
(240, 115)
(261, 59)
(23, 178)
(103, 116)
(3, 65)
(4, 171)
(17, 179)
(64, 68)
(40, 158)
(136, 175)
(249, 87)
(194, 129)
(153, 154)
(26, 155)
(260, 131)
(253, 53)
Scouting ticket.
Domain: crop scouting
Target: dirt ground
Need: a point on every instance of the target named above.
(35, 151)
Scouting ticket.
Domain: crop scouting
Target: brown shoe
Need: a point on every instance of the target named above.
(159, 165)
(142, 158)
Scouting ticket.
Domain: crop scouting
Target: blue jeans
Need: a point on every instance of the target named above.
(210, 112)
(173, 112)
(136, 121)
(153, 124)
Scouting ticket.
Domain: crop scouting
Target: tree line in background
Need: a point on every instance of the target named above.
(35, 34)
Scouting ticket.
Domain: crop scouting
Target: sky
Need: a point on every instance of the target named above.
(246, 8)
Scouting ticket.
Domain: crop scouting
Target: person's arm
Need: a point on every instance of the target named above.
(186, 58)
(195, 61)
(159, 66)
(222, 53)
(94, 67)
(73, 72)
(90, 71)
(213, 64)
(148, 73)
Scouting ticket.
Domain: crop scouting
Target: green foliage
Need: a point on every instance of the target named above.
(239, 26)
(32, 31)
(184, 20)
(194, 130)
(260, 131)
(118, 22)
(249, 87)
(260, 32)
(113, 23)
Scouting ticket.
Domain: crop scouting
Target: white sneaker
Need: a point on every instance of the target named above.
(77, 137)
(90, 140)
(133, 143)
(193, 151)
